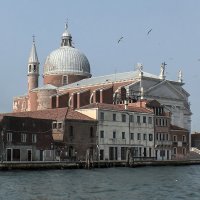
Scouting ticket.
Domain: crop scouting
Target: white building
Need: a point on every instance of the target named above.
(122, 128)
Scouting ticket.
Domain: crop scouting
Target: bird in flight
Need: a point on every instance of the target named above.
(149, 31)
(120, 39)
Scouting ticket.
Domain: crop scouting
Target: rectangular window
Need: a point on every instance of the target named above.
(54, 125)
(157, 136)
(138, 119)
(163, 122)
(183, 138)
(101, 116)
(163, 136)
(9, 137)
(144, 136)
(114, 134)
(123, 135)
(156, 121)
(144, 119)
(139, 136)
(114, 117)
(150, 137)
(131, 117)
(150, 120)
(34, 138)
(23, 137)
(101, 134)
(160, 136)
(123, 118)
(132, 136)
(167, 136)
(59, 125)
(175, 138)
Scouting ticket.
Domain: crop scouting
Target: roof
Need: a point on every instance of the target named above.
(51, 114)
(177, 128)
(118, 77)
(45, 87)
(33, 58)
(117, 107)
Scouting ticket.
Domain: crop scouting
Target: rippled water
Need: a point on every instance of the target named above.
(158, 183)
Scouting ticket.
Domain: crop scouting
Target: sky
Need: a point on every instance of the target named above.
(96, 26)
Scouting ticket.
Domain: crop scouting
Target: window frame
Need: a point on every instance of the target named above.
(139, 136)
(138, 119)
(102, 117)
(123, 135)
(34, 138)
(114, 117)
(123, 117)
(23, 137)
(9, 136)
(150, 137)
(101, 133)
(144, 119)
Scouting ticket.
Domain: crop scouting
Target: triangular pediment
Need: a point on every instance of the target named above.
(164, 89)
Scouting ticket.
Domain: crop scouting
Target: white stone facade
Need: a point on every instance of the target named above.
(119, 131)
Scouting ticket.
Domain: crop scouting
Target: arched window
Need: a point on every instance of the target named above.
(34, 68)
(65, 80)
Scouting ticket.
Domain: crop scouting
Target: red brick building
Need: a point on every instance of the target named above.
(54, 134)
(180, 142)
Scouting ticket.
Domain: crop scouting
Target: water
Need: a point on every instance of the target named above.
(156, 183)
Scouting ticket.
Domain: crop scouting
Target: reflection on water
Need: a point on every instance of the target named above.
(157, 183)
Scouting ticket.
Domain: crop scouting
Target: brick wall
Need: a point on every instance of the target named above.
(57, 80)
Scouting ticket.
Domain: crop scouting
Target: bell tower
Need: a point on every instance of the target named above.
(33, 68)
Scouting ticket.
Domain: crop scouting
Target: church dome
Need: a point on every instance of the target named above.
(67, 60)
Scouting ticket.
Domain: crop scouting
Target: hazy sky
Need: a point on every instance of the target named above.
(96, 27)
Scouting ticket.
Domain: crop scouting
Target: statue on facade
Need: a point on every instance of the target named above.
(162, 70)
(180, 76)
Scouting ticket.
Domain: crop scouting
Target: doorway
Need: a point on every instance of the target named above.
(41, 155)
(29, 155)
(8, 154)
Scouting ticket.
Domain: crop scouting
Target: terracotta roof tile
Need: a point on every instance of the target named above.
(53, 114)
(117, 107)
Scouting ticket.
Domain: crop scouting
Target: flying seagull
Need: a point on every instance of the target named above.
(149, 31)
(120, 39)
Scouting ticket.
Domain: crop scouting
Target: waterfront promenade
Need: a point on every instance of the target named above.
(37, 165)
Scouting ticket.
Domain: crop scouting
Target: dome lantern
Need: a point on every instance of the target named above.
(66, 38)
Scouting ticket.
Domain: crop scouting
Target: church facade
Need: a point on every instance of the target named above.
(68, 82)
